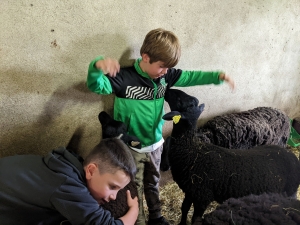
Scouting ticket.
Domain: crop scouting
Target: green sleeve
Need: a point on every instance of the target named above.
(192, 78)
(96, 81)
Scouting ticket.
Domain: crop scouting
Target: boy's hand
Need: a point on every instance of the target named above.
(132, 202)
(228, 79)
(108, 66)
(131, 216)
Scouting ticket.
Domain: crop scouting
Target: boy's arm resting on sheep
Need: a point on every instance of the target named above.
(133, 209)
(113, 128)
(80, 208)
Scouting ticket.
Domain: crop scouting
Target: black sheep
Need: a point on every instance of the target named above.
(112, 128)
(241, 130)
(207, 172)
(247, 129)
(264, 209)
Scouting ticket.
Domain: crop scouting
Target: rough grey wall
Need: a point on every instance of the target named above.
(46, 46)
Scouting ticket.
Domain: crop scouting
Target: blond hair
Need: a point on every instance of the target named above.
(162, 45)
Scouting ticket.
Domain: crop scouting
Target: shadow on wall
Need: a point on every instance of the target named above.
(65, 98)
(109, 45)
(65, 109)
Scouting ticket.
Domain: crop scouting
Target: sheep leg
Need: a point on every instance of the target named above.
(185, 207)
(198, 212)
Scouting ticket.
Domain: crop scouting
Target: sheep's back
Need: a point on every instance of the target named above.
(256, 209)
(244, 130)
(266, 168)
(222, 173)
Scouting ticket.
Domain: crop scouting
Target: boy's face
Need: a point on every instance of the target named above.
(104, 186)
(155, 69)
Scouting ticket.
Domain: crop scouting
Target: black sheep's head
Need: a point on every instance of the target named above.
(113, 128)
(180, 101)
(190, 117)
(110, 127)
(183, 105)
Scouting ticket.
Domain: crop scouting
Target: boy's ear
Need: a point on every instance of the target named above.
(145, 58)
(90, 169)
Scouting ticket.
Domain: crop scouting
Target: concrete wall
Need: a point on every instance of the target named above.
(46, 47)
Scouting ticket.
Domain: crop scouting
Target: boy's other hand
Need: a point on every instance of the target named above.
(132, 202)
(108, 66)
(228, 79)
(131, 216)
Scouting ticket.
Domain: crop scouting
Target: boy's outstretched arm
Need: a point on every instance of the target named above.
(228, 79)
(193, 78)
(131, 216)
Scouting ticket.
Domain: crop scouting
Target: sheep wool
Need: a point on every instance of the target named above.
(247, 129)
(119, 207)
(256, 209)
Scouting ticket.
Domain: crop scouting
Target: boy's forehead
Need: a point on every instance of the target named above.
(160, 63)
(119, 179)
(118, 176)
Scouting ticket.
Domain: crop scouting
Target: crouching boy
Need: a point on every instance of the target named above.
(57, 187)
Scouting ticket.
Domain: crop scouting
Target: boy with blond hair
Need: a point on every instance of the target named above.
(139, 103)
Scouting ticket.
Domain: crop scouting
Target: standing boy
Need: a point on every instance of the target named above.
(139, 103)
(57, 187)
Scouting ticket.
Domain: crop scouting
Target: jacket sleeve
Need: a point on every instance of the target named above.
(192, 78)
(96, 81)
(73, 201)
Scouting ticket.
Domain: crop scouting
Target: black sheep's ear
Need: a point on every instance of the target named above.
(104, 118)
(201, 107)
(169, 116)
(193, 101)
(195, 108)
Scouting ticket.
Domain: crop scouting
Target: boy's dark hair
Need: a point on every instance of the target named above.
(162, 45)
(110, 155)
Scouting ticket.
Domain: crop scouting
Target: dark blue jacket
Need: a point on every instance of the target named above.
(47, 190)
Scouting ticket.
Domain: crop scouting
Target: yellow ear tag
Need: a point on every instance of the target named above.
(176, 119)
